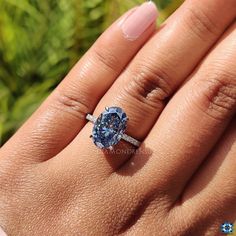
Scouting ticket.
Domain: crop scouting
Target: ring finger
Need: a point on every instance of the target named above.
(154, 74)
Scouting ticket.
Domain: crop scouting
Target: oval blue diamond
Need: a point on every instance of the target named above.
(109, 127)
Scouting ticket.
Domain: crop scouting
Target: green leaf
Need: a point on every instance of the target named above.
(41, 40)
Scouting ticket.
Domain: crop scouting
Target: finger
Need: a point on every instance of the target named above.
(219, 158)
(62, 115)
(154, 74)
(192, 122)
(214, 185)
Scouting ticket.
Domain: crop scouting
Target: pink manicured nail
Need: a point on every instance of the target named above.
(136, 23)
(2, 233)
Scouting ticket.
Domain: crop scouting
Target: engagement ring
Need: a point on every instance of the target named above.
(109, 128)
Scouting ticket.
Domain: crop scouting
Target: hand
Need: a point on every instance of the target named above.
(55, 181)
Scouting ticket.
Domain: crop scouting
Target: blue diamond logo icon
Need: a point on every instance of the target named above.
(227, 228)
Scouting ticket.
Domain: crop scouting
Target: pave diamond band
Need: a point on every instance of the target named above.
(131, 140)
(109, 128)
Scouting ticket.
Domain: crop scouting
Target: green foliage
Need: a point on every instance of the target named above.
(41, 40)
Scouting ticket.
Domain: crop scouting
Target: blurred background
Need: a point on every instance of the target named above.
(40, 40)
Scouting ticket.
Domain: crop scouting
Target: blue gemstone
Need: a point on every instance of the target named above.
(109, 127)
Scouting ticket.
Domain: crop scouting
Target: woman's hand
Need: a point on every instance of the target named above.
(55, 181)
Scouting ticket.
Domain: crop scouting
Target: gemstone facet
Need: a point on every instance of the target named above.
(109, 127)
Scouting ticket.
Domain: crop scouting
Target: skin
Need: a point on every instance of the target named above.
(181, 181)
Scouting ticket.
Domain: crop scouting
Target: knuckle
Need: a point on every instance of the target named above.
(107, 58)
(220, 94)
(200, 24)
(75, 104)
(149, 85)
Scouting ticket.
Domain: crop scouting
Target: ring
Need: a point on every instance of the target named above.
(109, 128)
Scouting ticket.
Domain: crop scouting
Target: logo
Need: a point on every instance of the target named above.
(227, 228)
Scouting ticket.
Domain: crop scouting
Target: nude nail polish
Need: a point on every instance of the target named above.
(2, 233)
(137, 22)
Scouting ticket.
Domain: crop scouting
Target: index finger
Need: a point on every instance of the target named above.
(62, 115)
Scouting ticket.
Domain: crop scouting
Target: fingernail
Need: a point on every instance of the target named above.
(2, 233)
(139, 20)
